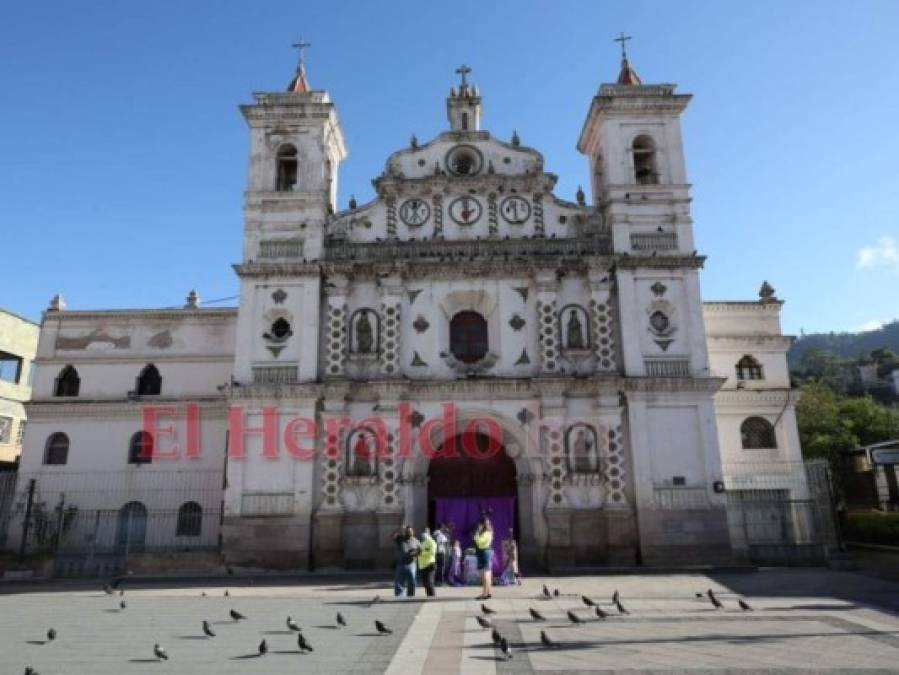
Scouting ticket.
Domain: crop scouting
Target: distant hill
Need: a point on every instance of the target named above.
(846, 345)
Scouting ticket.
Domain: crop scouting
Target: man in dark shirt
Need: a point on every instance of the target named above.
(406, 549)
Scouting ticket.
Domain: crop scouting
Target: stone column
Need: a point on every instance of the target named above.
(336, 346)
(328, 519)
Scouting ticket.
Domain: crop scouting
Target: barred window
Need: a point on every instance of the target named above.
(757, 433)
(749, 369)
(190, 520)
(645, 161)
(468, 337)
(287, 168)
(140, 448)
(57, 449)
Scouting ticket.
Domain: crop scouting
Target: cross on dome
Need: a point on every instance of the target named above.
(627, 75)
(299, 85)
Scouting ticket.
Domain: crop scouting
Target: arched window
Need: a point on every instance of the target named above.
(149, 382)
(131, 530)
(287, 168)
(465, 121)
(67, 382)
(757, 433)
(749, 369)
(140, 448)
(190, 520)
(57, 449)
(645, 161)
(468, 337)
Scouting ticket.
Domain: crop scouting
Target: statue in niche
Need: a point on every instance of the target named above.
(575, 332)
(582, 451)
(362, 456)
(365, 339)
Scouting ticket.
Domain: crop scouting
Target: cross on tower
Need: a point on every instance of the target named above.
(622, 38)
(463, 70)
(300, 46)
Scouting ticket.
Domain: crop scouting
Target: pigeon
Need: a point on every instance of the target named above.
(600, 613)
(237, 616)
(556, 592)
(108, 589)
(535, 615)
(546, 593)
(587, 601)
(340, 620)
(715, 601)
(505, 648)
(227, 593)
(207, 630)
(292, 625)
(159, 652)
(302, 644)
(482, 622)
(382, 629)
(545, 641)
(374, 600)
(620, 607)
(122, 605)
(203, 594)
(700, 595)
(31, 671)
(263, 648)
(615, 597)
(744, 605)
(51, 635)
(574, 617)
(495, 636)
(487, 610)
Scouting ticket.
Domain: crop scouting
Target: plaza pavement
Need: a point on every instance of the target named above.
(804, 621)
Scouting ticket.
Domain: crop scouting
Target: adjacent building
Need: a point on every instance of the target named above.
(18, 343)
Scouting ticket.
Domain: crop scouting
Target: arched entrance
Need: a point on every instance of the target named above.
(465, 478)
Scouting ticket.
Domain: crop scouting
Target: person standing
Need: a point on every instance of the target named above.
(406, 549)
(483, 542)
(427, 561)
(441, 558)
(510, 575)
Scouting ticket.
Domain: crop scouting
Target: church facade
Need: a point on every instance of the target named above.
(467, 335)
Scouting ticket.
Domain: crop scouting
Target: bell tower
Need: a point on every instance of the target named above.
(463, 106)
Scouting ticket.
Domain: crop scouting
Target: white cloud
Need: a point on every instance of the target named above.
(873, 324)
(884, 254)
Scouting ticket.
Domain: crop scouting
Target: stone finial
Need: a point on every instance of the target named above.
(352, 202)
(192, 301)
(516, 141)
(766, 293)
(57, 303)
(413, 142)
(580, 196)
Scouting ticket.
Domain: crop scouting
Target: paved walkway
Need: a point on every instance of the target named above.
(804, 621)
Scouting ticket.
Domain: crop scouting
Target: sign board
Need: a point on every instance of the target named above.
(885, 455)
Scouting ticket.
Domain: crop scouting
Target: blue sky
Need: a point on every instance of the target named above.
(123, 156)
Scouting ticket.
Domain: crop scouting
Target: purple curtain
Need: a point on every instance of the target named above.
(463, 514)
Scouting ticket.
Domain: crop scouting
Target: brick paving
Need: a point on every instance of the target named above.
(804, 621)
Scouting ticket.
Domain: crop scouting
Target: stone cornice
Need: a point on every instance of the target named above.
(730, 306)
(201, 315)
(633, 262)
(86, 408)
(740, 398)
(779, 342)
(86, 356)
(477, 389)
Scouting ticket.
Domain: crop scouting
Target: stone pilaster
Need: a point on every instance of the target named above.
(391, 328)
(602, 320)
(336, 341)
(547, 321)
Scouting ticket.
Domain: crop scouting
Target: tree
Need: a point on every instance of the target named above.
(831, 424)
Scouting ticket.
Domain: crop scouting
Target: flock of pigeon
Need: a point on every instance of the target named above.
(160, 653)
(499, 641)
(502, 643)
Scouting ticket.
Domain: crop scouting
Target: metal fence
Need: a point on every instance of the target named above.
(92, 523)
(781, 513)
(7, 494)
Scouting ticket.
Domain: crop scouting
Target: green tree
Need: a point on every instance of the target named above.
(831, 424)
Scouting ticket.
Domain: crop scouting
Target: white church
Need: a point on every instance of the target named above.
(495, 344)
